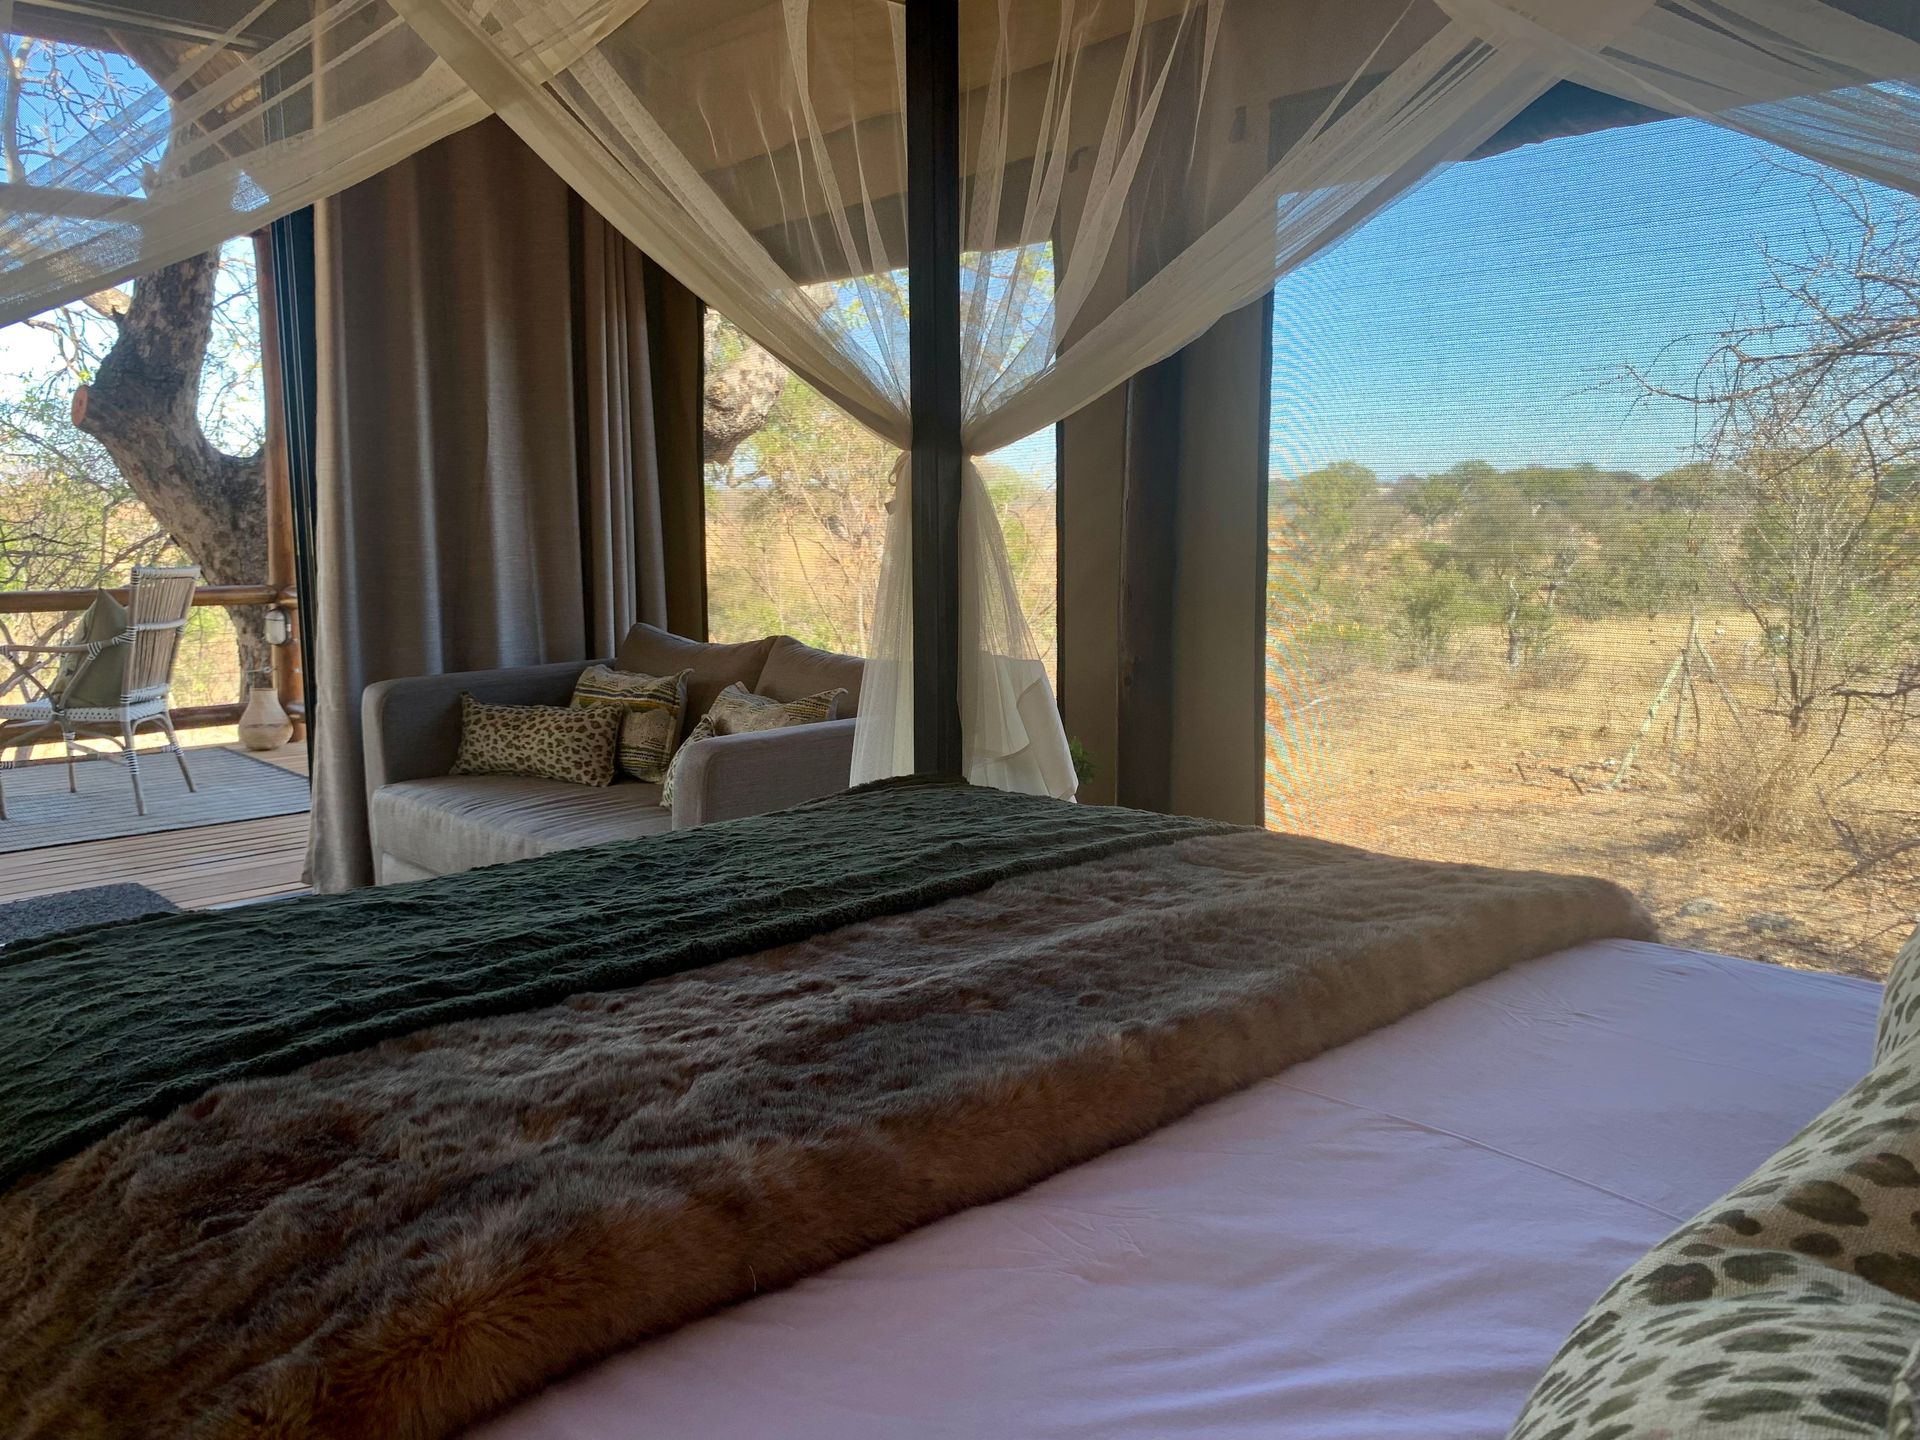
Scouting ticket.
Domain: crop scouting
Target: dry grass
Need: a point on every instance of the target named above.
(1761, 790)
(1730, 855)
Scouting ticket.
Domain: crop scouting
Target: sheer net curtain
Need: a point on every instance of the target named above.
(1133, 170)
(1124, 167)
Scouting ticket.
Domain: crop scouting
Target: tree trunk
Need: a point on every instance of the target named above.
(1516, 650)
(143, 406)
(737, 397)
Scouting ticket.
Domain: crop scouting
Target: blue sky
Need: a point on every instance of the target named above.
(1488, 315)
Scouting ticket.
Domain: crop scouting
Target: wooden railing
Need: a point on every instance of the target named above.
(287, 659)
(28, 602)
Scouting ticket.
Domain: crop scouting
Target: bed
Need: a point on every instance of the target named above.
(1317, 1139)
(1390, 1240)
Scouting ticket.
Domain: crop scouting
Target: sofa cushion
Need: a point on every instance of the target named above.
(456, 822)
(740, 712)
(702, 730)
(711, 668)
(552, 742)
(649, 706)
(794, 671)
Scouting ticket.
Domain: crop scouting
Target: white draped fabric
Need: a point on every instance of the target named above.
(1132, 170)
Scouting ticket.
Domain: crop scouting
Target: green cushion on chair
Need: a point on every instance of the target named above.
(82, 683)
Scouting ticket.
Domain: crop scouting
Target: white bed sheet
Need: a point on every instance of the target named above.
(1391, 1240)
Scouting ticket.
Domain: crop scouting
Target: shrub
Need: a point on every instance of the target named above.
(1758, 789)
(1334, 649)
(1552, 665)
(1428, 611)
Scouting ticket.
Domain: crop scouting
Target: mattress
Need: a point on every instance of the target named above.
(1391, 1240)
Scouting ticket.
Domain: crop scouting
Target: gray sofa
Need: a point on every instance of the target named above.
(426, 822)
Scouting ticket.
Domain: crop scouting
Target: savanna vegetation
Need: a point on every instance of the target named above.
(1703, 680)
(796, 500)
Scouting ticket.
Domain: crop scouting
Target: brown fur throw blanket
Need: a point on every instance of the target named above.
(401, 1240)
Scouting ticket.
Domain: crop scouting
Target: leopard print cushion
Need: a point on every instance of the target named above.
(650, 707)
(736, 710)
(1789, 1307)
(1900, 1007)
(548, 742)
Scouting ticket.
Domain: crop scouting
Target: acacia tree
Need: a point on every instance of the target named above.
(741, 385)
(1518, 539)
(1812, 409)
(144, 407)
(68, 520)
(798, 495)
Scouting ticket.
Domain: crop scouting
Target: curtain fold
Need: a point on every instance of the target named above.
(489, 492)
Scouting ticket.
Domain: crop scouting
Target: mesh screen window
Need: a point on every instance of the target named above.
(1595, 536)
(796, 497)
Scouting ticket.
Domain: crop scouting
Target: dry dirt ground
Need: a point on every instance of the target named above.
(1467, 766)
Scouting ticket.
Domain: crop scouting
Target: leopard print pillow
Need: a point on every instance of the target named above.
(1788, 1307)
(548, 742)
(1900, 1006)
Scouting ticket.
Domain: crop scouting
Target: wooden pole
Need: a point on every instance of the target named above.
(282, 575)
(933, 297)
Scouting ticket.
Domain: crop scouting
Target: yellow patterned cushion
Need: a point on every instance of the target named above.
(702, 730)
(549, 742)
(650, 708)
(736, 710)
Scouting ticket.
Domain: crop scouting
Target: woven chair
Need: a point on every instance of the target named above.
(159, 601)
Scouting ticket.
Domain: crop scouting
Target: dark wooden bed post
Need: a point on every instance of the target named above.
(933, 295)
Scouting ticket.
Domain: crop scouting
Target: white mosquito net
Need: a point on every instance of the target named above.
(1132, 170)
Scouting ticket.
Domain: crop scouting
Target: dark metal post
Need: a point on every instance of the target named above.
(933, 297)
(291, 242)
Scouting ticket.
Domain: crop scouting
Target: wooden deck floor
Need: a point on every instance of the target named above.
(206, 866)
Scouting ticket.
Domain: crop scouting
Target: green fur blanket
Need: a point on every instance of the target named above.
(105, 1026)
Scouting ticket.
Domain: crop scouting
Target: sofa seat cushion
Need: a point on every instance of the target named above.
(457, 822)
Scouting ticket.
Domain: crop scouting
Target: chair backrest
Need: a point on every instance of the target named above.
(157, 612)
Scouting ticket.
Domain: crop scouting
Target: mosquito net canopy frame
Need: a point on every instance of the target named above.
(1129, 172)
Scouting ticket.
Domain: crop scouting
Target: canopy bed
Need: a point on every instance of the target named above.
(389, 1161)
(392, 1161)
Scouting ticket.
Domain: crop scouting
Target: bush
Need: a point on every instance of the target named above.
(1428, 612)
(1759, 790)
(1553, 665)
(1334, 649)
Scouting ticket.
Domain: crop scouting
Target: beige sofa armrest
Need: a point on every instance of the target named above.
(412, 726)
(733, 775)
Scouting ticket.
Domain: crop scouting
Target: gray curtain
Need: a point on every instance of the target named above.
(490, 480)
